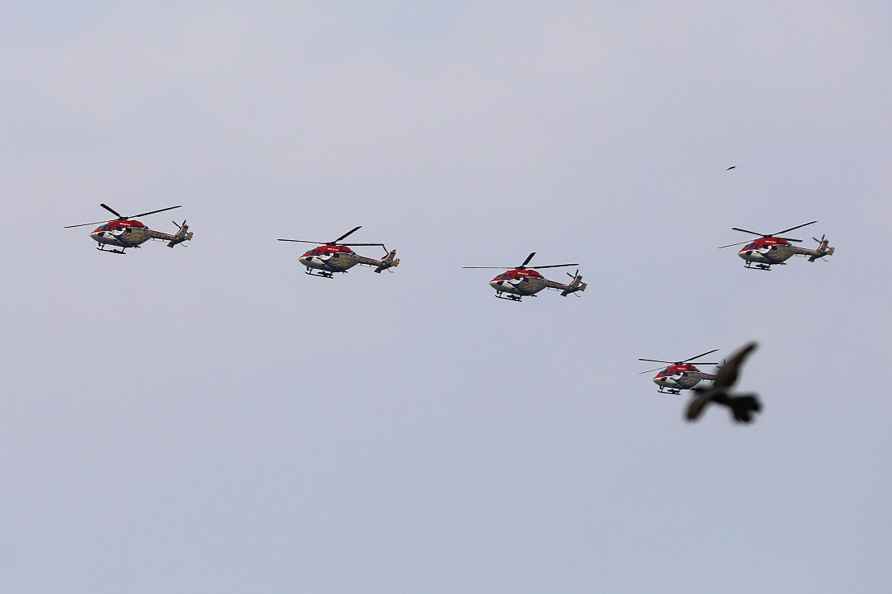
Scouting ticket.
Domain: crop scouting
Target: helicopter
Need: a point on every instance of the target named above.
(771, 250)
(126, 232)
(679, 375)
(333, 256)
(525, 281)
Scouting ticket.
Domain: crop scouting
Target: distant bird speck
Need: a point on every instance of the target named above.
(731, 167)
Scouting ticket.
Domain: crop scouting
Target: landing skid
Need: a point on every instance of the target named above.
(511, 297)
(319, 274)
(105, 251)
(765, 267)
(669, 391)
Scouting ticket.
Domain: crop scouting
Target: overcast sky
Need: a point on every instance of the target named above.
(208, 419)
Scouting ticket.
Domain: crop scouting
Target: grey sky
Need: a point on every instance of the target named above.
(209, 420)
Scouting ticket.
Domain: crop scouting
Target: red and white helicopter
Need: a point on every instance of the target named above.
(679, 375)
(126, 232)
(770, 250)
(332, 256)
(525, 281)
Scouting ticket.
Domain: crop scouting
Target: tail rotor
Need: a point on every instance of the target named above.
(389, 262)
(823, 249)
(576, 284)
(183, 234)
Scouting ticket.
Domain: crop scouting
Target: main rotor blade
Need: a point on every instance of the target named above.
(649, 370)
(113, 211)
(361, 244)
(86, 224)
(145, 214)
(700, 355)
(796, 227)
(350, 232)
(302, 241)
(552, 266)
(790, 239)
(491, 267)
(748, 231)
(657, 361)
(527, 261)
(702, 363)
(721, 247)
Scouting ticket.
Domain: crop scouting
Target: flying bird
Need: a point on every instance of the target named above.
(742, 406)
(731, 167)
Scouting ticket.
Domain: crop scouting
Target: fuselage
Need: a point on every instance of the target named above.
(682, 376)
(767, 250)
(121, 233)
(518, 281)
(330, 258)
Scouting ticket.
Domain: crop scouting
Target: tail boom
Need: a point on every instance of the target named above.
(388, 261)
(182, 234)
(824, 249)
(574, 286)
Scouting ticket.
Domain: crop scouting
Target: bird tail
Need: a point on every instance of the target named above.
(743, 407)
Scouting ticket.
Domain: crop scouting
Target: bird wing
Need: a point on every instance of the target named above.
(728, 373)
(696, 406)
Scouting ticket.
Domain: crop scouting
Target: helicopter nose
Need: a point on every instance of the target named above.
(497, 285)
(305, 260)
